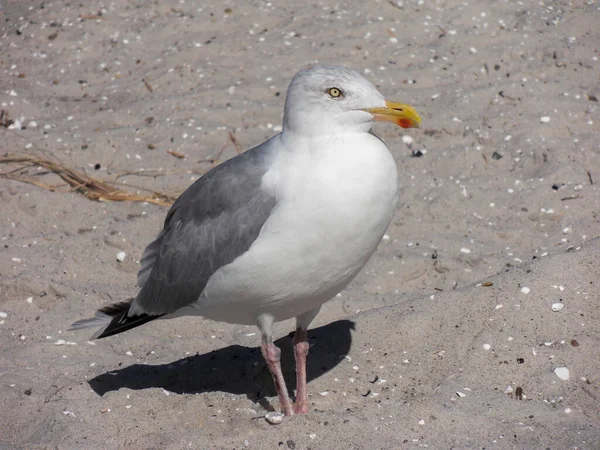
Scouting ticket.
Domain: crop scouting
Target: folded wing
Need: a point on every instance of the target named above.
(212, 223)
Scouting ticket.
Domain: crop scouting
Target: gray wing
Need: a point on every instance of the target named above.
(213, 222)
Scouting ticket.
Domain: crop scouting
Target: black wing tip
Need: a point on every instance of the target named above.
(115, 309)
(121, 322)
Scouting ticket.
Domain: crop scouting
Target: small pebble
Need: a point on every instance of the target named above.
(567, 410)
(274, 418)
(3, 314)
(486, 346)
(16, 125)
(562, 373)
(525, 290)
(557, 306)
(121, 256)
(545, 119)
(421, 422)
(461, 394)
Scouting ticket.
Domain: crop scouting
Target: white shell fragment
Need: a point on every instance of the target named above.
(545, 119)
(557, 306)
(562, 373)
(63, 342)
(408, 140)
(121, 256)
(486, 346)
(274, 418)
(525, 290)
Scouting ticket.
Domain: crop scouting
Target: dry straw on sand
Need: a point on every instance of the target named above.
(79, 181)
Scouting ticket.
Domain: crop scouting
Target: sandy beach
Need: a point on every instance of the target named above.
(476, 324)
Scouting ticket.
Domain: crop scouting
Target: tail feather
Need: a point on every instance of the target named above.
(113, 319)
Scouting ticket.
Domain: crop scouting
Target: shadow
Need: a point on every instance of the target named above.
(235, 369)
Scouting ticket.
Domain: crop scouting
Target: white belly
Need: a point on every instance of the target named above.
(333, 209)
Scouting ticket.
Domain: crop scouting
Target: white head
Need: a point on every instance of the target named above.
(327, 99)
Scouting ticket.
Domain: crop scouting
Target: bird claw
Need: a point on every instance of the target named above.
(300, 409)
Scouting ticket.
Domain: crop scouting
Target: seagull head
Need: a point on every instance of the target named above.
(326, 100)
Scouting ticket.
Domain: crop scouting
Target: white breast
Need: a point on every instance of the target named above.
(335, 201)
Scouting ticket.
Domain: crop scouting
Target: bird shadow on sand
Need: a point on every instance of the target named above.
(234, 369)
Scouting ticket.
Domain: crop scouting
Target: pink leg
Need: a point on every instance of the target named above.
(272, 355)
(300, 352)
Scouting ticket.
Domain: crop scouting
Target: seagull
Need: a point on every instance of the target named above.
(280, 229)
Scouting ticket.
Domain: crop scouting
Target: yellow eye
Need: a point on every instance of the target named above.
(335, 92)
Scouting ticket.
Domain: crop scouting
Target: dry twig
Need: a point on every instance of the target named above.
(148, 85)
(235, 143)
(176, 154)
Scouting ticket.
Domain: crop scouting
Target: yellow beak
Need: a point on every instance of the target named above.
(398, 113)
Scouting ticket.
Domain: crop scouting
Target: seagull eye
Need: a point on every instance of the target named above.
(335, 92)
